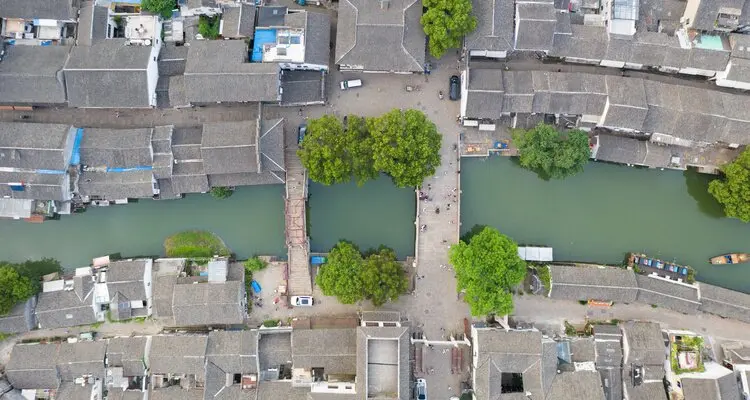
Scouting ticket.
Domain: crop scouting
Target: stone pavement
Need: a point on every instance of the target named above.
(541, 309)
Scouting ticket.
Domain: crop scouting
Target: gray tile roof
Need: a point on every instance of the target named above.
(116, 185)
(70, 390)
(494, 30)
(39, 9)
(218, 70)
(536, 26)
(108, 74)
(176, 393)
(644, 391)
(178, 354)
(725, 302)
(116, 148)
(382, 362)
(188, 177)
(36, 186)
(75, 360)
(162, 295)
(627, 103)
(119, 394)
(62, 309)
(234, 352)
(238, 21)
(271, 16)
(92, 24)
(584, 42)
(274, 349)
(230, 147)
(377, 39)
(272, 145)
(585, 283)
(20, 318)
(245, 179)
(582, 350)
(127, 353)
(580, 385)
(645, 344)
(32, 366)
(707, 14)
(721, 388)
(302, 87)
(501, 351)
(126, 277)
(611, 382)
(281, 390)
(317, 38)
(208, 304)
(334, 350)
(32, 75)
(671, 295)
(35, 146)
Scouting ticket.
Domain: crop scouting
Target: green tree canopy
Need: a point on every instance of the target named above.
(488, 268)
(551, 154)
(446, 22)
(406, 146)
(14, 287)
(161, 7)
(363, 167)
(733, 189)
(383, 277)
(325, 151)
(341, 275)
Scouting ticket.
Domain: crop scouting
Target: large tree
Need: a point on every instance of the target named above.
(341, 275)
(325, 151)
(363, 168)
(405, 145)
(446, 22)
(550, 153)
(733, 189)
(487, 269)
(383, 277)
(14, 287)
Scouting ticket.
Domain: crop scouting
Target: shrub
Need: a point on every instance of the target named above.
(271, 323)
(208, 27)
(221, 192)
(254, 264)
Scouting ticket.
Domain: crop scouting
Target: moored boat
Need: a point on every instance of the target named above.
(731, 258)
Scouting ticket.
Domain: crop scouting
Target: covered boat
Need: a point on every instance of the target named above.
(731, 258)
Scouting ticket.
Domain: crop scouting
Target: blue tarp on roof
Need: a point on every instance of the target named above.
(75, 158)
(147, 168)
(262, 36)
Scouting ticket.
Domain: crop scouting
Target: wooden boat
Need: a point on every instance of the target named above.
(731, 258)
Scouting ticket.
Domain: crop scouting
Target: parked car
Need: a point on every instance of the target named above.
(454, 88)
(352, 83)
(301, 132)
(302, 301)
(420, 389)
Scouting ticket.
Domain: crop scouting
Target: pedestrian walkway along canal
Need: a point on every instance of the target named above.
(251, 222)
(606, 211)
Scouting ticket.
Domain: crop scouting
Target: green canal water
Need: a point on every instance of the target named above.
(251, 222)
(374, 214)
(606, 211)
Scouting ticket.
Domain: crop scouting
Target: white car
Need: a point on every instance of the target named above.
(302, 301)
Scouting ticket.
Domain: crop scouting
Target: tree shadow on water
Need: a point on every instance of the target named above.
(697, 188)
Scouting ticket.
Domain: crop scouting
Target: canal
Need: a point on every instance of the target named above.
(606, 211)
(376, 213)
(251, 222)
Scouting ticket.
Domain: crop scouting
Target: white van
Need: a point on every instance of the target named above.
(351, 84)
